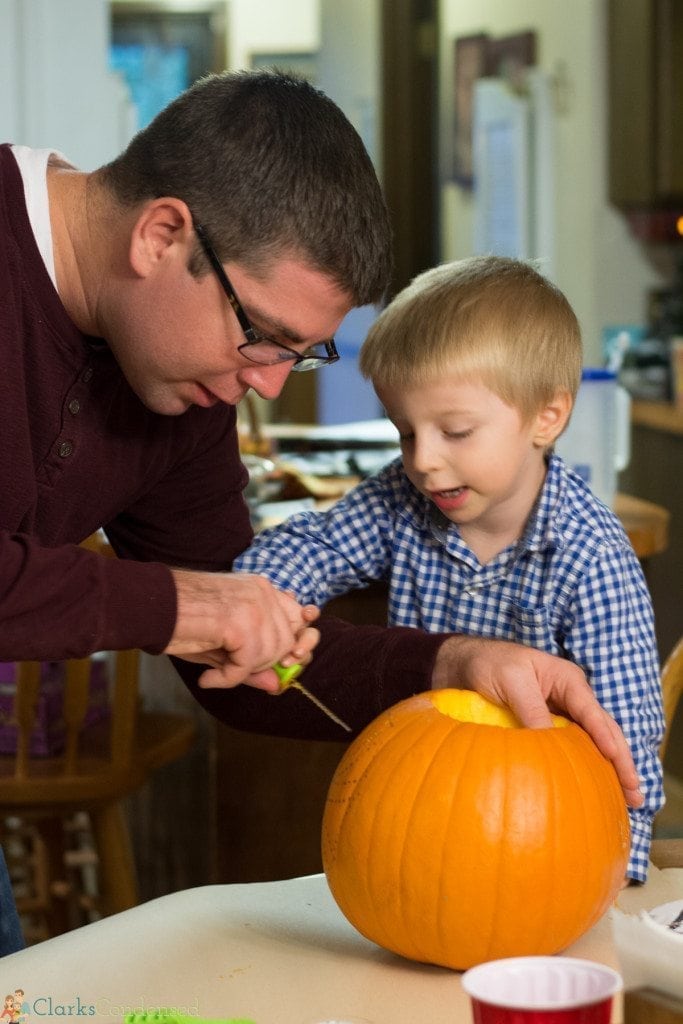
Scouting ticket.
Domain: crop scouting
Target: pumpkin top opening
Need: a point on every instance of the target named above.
(468, 706)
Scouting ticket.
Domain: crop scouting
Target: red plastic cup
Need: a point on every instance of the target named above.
(541, 990)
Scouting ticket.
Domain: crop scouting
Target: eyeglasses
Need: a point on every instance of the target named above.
(258, 347)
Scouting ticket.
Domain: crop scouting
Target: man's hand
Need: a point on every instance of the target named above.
(239, 625)
(532, 684)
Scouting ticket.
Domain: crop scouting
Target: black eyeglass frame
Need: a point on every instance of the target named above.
(301, 360)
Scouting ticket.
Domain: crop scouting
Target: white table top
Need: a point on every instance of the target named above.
(271, 952)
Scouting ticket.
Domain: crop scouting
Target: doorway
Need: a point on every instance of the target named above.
(409, 61)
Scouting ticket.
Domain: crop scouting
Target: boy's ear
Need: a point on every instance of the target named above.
(161, 225)
(552, 419)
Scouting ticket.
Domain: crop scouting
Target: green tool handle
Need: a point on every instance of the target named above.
(287, 675)
(169, 1017)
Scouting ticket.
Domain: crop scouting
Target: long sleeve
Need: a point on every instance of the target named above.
(610, 634)
(65, 602)
(358, 671)
(318, 555)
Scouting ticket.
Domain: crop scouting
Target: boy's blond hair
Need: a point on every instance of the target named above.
(490, 319)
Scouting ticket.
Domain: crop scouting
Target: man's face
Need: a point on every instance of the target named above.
(177, 341)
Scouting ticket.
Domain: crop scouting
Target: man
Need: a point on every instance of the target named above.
(125, 351)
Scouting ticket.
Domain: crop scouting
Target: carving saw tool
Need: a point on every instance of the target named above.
(289, 677)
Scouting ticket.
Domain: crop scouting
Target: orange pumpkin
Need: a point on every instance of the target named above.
(452, 835)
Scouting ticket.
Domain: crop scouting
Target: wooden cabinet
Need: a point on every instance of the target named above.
(645, 126)
(654, 473)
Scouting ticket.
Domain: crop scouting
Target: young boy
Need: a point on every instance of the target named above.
(479, 528)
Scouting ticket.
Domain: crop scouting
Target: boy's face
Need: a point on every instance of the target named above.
(471, 454)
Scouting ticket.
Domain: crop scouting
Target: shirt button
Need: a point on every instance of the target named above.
(87, 375)
(65, 449)
(74, 406)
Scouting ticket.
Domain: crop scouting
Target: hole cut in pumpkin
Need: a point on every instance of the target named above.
(468, 706)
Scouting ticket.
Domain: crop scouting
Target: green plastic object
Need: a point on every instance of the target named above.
(287, 675)
(169, 1017)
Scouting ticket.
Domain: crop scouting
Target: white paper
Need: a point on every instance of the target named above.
(650, 954)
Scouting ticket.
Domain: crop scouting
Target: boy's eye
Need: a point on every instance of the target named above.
(458, 435)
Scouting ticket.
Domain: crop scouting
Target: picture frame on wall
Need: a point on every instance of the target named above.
(509, 56)
(470, 63)
(160, 48)
(483, 56)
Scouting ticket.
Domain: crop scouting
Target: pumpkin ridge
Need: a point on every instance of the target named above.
(553, 816)
(498, 910)
(387, 939)
(513, 903)
(581, 882)
(394, 749)
(340, 779)
(587, 881)
(605, 783)
(562, 836)
(433, 769)
(463, 753)
(388, 930)
(458, 889)
(353, 771)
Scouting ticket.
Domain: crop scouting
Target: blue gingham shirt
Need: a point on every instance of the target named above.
(572, 586)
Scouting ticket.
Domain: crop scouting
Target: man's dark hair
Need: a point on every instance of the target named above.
(269, 165)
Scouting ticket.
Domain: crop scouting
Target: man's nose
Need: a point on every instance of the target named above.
(266, 381)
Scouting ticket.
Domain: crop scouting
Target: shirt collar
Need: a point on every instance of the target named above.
(543, 525)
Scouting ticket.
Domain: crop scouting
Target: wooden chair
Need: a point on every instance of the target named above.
(672, 687)
(45, 800)
(668, 852)
(99, 766)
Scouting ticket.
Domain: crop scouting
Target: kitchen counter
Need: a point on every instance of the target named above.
(646, 524)
(658, 416)
(655, 474)
(273, 953)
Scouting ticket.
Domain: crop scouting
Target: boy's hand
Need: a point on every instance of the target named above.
(532, 684)
(239, 625)
(263, 679)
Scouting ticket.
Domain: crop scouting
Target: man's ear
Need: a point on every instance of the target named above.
(163, 229)
(552, 419)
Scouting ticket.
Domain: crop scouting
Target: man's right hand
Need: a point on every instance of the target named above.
(239, 625)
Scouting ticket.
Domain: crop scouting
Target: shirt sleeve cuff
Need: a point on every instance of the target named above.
(139, 606)
(641, 837)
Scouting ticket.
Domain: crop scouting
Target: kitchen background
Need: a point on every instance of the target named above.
(571, 152)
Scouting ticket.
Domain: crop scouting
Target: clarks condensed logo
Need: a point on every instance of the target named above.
(18, 1010)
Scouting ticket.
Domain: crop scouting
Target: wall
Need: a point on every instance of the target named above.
(601, 268)
(350, 66)
(344, 37)
(55, 89)
(264, 26)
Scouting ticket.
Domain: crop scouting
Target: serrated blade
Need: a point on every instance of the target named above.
(288, 678)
